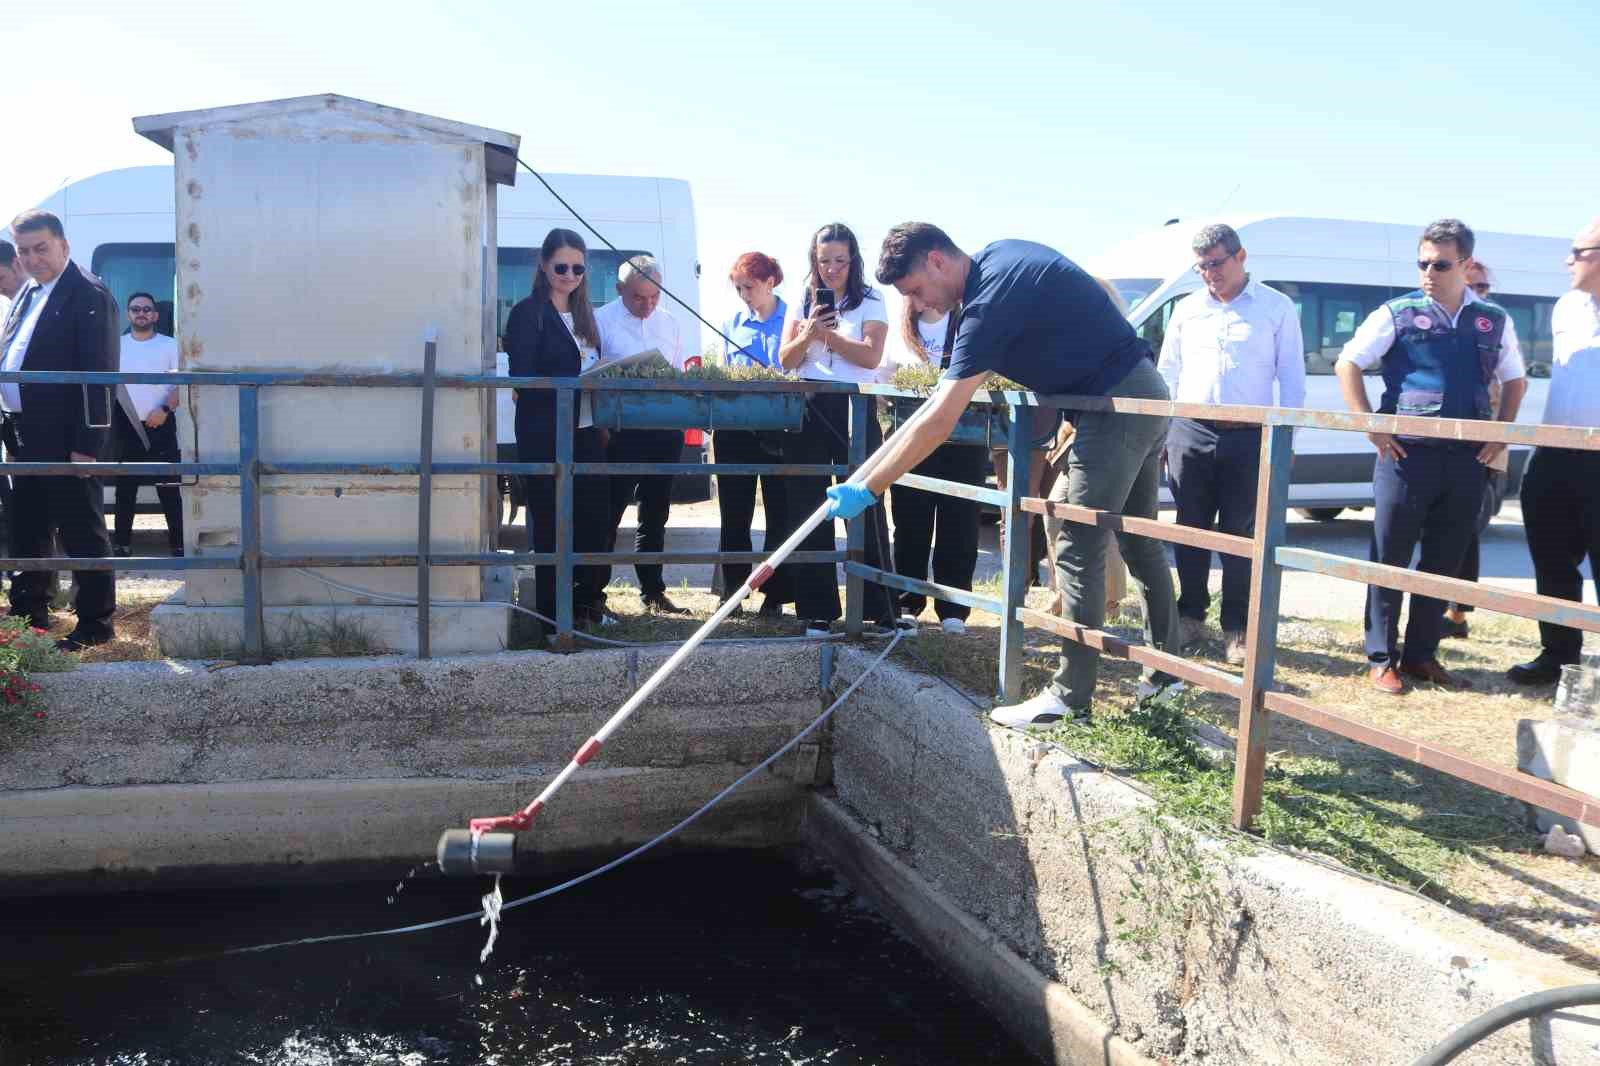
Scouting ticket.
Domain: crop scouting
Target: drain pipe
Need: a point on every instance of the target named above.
(489, 845)
(1518, 1010)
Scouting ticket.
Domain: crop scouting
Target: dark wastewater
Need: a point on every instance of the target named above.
(750, 958)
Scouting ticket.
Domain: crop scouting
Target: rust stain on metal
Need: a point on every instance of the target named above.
(195, 190)
(192, 292)
(1226, 543)
(1114, 646)
(194, 232)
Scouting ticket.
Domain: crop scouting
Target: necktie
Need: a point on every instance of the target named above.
(19, 311)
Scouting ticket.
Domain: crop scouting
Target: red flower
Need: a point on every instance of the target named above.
(38, 714)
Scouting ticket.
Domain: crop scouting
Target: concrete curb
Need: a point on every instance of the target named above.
(1041, 1013)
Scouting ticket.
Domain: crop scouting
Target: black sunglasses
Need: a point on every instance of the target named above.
(562, 268)
(1439, 266)
(141, 310)
(1579, 253)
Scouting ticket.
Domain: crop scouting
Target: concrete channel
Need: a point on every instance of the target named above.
(1015, 866)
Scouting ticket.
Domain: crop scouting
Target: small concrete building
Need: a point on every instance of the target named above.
(330, 235)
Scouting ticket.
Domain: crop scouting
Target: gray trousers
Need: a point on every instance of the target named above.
(1114, 464)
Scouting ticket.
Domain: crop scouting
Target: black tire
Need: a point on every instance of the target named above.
(1320, 514)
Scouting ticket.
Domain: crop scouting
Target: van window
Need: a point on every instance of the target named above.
(130, 268)
(1154, 328)
(516, 277)
(1134, 290)
(1330, 315)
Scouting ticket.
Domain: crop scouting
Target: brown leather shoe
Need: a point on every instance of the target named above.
(1431, 672)
(1386, 680)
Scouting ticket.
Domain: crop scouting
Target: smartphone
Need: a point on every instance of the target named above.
(825, 298)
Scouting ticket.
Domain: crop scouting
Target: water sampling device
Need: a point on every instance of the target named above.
(489, 845)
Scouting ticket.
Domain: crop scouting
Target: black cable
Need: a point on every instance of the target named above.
(1490, 1022)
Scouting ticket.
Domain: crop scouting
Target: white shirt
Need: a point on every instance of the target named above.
(158, 355)
(1574, 398)
(930, 351)
(1232, 352)
(587, 357)
(17, 353)
(820, 364)
(623, 333)
(1375, 336)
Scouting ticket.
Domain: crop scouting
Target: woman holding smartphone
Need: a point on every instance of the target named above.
(552, 333)
(756, 334)
(837, 333)
(924, 520)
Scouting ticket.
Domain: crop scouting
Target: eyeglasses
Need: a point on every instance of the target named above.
(576, 268)
(1438, 266)
(1581, 253)
(141, 310)
(1212, 264)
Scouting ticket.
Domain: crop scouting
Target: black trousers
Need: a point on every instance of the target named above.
(947, 525)
(653, 493)
(1561, 517)
(736, 505)
(825, 438)
(1431, 496)
(163, 449)
(1212, 471)
(591, 513)
(73, 507)
(1494, 494)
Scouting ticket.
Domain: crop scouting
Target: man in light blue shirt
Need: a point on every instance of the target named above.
(1230, 343)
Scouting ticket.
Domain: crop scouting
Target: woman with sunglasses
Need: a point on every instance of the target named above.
(552, 333)
(755, 335)
(838, 337)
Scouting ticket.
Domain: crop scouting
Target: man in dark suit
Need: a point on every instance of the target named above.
(64, 319)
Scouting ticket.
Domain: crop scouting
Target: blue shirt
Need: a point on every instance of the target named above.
(757, 339)
(1031, 314)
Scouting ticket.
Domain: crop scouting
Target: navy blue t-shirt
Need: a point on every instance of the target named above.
(1031, 314)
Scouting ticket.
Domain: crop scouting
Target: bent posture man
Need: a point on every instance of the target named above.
(1560, 502)
(1440, 349)
(1029, 313)
(64, 319)
(1230, 343)
(630, 324)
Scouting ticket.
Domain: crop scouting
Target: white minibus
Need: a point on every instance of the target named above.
(120, 224)
(1337, 272)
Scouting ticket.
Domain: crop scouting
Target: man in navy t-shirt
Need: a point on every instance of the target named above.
(1028, 313)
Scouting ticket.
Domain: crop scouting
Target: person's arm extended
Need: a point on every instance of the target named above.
(866, 353)
(1355, 398)
(915, 442)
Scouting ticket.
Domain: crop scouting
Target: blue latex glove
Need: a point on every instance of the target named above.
(849, 500)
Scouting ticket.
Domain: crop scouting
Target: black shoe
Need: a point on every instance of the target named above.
(1452, 628)
(658, 602)
(80, 639)
(122, 551)
(1545, 669)
(37, 620)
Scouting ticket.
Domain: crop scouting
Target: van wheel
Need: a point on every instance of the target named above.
(1320, 514)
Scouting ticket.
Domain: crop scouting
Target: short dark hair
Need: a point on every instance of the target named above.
(36, 219)
(906, 248)
(1220, 233)
(1449, 231)
(8, 254)
(134, 296)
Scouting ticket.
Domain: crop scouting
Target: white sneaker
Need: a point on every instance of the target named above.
(1044, 709)
(1149, 690)
(955, 627)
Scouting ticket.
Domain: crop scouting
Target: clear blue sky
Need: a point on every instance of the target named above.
(1076, 124)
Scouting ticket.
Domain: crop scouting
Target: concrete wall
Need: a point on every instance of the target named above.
(154, 771)
(1290, 962)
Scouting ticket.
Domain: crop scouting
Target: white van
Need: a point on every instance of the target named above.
(1337, 272)
(120, 225)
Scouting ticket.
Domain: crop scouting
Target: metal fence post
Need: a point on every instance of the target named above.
(250, 518)
(1261, 637)
(430, 357)
(855, 589)
(566, 399)
(1014, 573)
